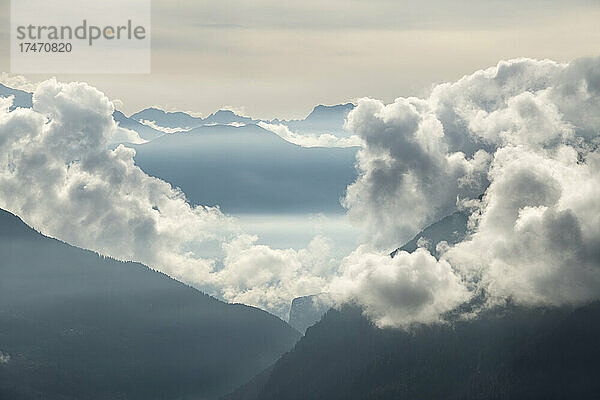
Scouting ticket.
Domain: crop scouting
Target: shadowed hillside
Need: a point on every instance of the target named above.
(75, 325)
(509, 353)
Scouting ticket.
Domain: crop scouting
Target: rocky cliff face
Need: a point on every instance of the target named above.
(308, 310)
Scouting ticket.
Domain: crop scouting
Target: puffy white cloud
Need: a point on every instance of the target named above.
(408, 176)
(524, 134)
(122, 135)
(409, 288)
(422, 155)
(527, 119)
(312, 140)
(538, 235)
(258, 274)
(59, 175)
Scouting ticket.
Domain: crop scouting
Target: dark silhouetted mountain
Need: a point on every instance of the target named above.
(451, 229)
(75, 325)
(308, 310)
(509, 352)
(21, 98)
(506, 353)
(249, 169)
(144, 131)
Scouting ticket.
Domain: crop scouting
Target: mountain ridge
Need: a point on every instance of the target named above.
(248, 169)
(323, 119)
(115, 329)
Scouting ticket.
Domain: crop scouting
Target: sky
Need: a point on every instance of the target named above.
(269, 58)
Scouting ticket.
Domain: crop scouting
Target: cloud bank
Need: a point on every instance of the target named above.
(59, 175)
(516, 145)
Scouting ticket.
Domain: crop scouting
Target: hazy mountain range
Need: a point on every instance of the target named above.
(144, 131)
(152, 337)
(226, 159)
(249, 169)
(322, 119)
(183, 121)
(151, 123)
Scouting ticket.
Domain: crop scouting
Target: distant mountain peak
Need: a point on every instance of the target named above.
(337, 108)
(21, 98)
(225, 112)
(227, 117)
(344, 106)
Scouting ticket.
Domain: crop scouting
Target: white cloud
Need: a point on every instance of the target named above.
(17, 82)
(234, 124)
(59, 176)
(538, 236)
(122, 135)
(399, 291)
(154, 125)
(306, 140)
(409, 177)
(258, 274)
(524, 134)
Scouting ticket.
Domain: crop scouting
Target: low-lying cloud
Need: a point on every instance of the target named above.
(163, 129)
(311, 140)
(409, 288)
(59, 175)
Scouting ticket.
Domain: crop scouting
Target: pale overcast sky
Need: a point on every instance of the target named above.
(270, 58)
